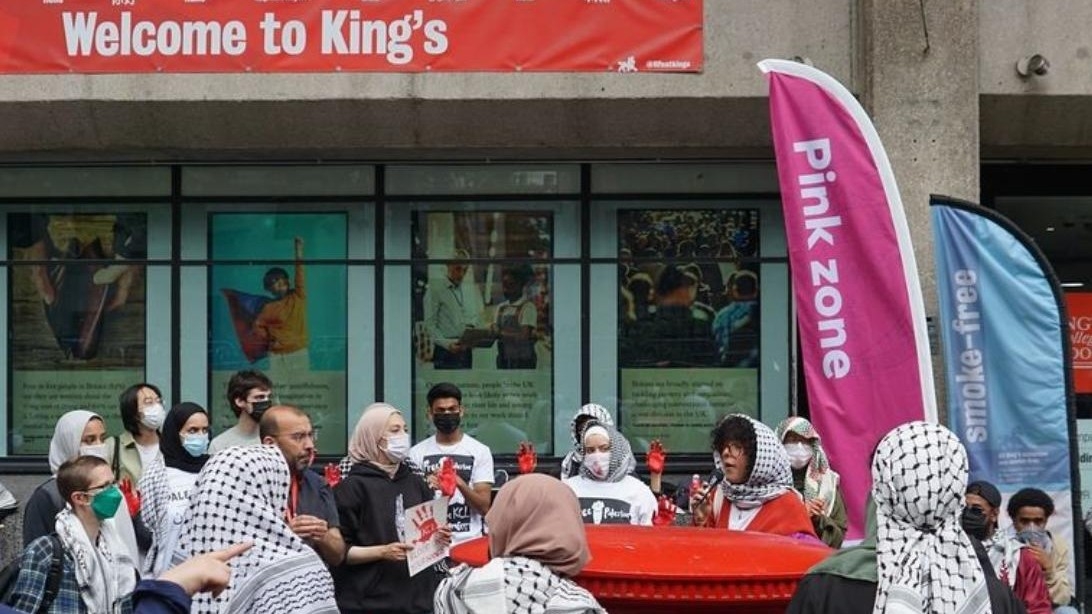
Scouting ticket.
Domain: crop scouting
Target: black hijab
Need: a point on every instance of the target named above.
(170, 440)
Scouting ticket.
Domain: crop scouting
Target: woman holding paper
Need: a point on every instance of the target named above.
(372, 500)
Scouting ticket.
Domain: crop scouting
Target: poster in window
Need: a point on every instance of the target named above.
(277, 306)
(688, 322)
(482, 321)
(77, 318)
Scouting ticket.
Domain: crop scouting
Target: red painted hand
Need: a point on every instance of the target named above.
(526, 457)
(656, 457)
(333, 474)
(132, 497)
(665, 512)
(447, 477)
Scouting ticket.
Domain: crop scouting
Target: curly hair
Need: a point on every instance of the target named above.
(739, 430)
(1030, 497)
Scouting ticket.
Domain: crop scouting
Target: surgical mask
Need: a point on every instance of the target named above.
(196, 445)
(799, 453)
(397, 447)
(257, 408)
(153, 416)
(446, 423)
(974, 523)
(105, 503)
(598, 464)
(96, 450)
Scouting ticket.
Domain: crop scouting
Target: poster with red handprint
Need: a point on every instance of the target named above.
(423, 523)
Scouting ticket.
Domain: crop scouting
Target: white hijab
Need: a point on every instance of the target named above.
(104, 571)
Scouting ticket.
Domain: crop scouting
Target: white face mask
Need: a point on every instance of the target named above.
(398, 447)
(598, 463)
(799, 454)
(97, 450)
(153, 416)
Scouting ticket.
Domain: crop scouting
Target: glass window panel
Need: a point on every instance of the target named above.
(492, 179)
(660, 178)
(334, 180)
(85, 182)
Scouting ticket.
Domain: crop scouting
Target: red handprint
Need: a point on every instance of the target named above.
(447, 477)
(132, 497)
(665, 512)
(425, 523)
(333, 474)
(656, 457)
(526, 457)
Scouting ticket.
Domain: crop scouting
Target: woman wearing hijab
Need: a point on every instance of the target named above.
(169, 481)
(607, 493)
(570, 465)
(371, 503)
(916, 557)
(77, 433)
(813, 478)
(756, 493)
(241, 496)
(538, 544)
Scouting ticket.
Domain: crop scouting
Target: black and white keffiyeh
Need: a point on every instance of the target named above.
(771, 476)
(622, 462)
(241, 496)
(516, 585)
(155, 497)
(572, 461)
(104, 570)
(925, 562)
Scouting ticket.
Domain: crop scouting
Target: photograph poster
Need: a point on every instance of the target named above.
(688, 322)
(275, 307)
(76, 316)
(482, 321)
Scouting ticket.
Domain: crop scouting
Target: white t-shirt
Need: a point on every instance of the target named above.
(180, 485)
(233, 437)
(474, 464)
(147, 453)
(626, 502)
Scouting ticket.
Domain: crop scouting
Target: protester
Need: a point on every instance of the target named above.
(538, 543)
(1030, 509)
(168, 482)
(142, 413)
(757, 484)
(241, 496)
(606, 491)
(312, 511)
(371, 502)
(77, 433)
(97, 573)
(916, 556)
(249, 395)
(813, 478)
(1010, 559)
(570, 465)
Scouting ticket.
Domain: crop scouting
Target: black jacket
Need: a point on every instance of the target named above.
(366, 505)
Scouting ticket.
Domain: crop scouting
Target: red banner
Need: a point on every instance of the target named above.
(1079, 307)
(176, 36)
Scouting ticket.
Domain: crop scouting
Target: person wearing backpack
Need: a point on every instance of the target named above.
(98, 573)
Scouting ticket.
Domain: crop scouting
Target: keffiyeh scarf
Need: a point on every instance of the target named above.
(622, 462)
(820, 481)
(105, 572)
(575, 457)
(241, 495)
(925, 561)
(771, 476)
(516, 585)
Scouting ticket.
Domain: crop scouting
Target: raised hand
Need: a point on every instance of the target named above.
(132, 497)
(447, 477)
(526, 457)
(665, 512)
(333, 474)
(656, 457)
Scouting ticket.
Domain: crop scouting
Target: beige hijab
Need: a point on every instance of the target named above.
(538, 517)
(369, 431)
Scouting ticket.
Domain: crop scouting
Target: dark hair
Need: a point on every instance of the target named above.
(736, 429)
(1030, 497)
(444, 390)
(271, 276)
(987, 491)
(128, 405)
(521, 273)
(241, 383)
(269, 425)
(74, 475)
(672, 278)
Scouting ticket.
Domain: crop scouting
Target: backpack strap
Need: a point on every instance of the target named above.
(56, 570)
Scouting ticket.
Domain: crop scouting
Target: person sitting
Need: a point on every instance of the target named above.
(97, 573)
(607, 493)
(570, 464)
(756, 493)
(813, 478)
(1030, 509)
(1011, 560)
(538, 544)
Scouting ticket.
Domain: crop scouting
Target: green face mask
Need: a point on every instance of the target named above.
(105, 504)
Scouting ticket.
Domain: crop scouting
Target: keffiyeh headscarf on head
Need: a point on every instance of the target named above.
(241, 496)
(67, 435)
(369, 431)
(820, 481)
(925, 561)
(771, 475)
(622, 462)
(573, 460)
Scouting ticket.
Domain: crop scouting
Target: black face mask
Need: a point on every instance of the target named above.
(257, 408)
(975, 523)
(447, 423)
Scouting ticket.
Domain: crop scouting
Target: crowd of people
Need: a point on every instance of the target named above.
(163, 520)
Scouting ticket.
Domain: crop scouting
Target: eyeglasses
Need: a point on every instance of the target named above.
(94, 490)
(302, 436)
(150, 401)
(733, 449)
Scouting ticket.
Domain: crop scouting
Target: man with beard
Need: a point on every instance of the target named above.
(282, 322)
(312, 511)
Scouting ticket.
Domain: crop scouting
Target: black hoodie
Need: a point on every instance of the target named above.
(366, 504)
